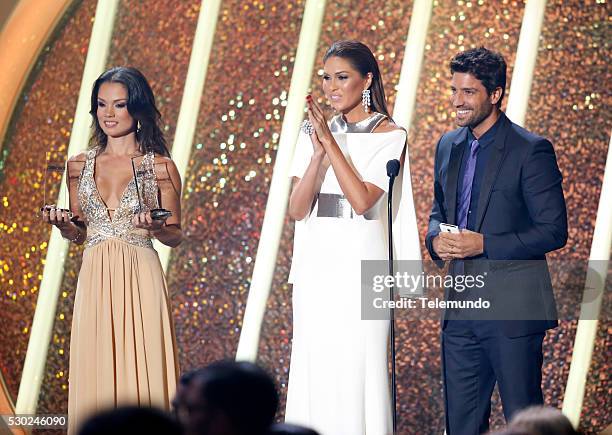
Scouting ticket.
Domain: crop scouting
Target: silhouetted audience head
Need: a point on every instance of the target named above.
(131, 420)
(511, 431)
(541, 420)
(227, 398)
(179, 404)
(290, 429)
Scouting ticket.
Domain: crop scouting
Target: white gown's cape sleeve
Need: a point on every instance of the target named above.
(405, 230)
(301, 156)
(372, 158)
(407, 245)
(301, 159)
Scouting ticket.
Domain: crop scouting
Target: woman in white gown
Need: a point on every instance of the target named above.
(338, 379)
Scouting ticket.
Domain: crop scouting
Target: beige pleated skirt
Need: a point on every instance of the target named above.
(122, 346)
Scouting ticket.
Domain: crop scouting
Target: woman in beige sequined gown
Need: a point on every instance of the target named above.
(122, 347)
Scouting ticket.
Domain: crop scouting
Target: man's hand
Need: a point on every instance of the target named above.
(466, 244)
(442, 247)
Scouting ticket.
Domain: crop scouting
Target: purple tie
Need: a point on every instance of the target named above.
(466, 187)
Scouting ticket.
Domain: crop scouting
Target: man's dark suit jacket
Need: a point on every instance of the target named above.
(521, 214)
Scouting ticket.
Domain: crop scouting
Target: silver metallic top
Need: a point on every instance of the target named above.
(338, 124)
(100, 226)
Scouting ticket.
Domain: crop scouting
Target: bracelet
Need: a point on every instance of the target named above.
(154, 233)
(73, 240)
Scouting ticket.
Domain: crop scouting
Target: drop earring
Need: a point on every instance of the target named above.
(365, 100)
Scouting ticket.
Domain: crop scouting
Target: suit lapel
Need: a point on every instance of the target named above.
(454, 164)
(492, 169)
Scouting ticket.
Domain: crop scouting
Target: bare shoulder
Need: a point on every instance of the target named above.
(159, 159)
(80, 157)
(386, 126)
(163, 159)
(165, 167)
(75, 165)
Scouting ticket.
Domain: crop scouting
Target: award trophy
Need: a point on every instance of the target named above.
(148, 175)
(52, 186)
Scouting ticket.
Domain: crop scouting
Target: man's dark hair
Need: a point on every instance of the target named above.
(543, 420)
(487, 66)
(244, 392)
(186, 378)
(129, 420)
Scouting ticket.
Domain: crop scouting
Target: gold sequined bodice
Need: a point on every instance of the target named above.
(100, 225)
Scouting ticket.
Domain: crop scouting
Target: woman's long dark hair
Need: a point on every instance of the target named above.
(140, 105)
(363, 60)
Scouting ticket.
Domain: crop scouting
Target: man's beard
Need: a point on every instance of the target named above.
(479, 116)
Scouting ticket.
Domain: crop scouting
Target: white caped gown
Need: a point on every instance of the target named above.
(338, 378)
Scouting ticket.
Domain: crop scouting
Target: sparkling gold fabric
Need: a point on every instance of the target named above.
(100, 225)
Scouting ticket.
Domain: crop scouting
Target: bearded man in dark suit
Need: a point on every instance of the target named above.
(500, 184)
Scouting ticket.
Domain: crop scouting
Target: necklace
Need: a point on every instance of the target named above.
(339, 124)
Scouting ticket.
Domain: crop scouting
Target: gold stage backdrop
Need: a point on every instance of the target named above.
(233, 154)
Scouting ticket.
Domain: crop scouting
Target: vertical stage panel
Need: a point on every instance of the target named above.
(230, 169)
(383, 27)
(156, 38)
(595, 415)
(570, 105)
(41, 123)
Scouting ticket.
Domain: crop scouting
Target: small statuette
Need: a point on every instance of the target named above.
(307, 127)
(160, 214)
(48, 207)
